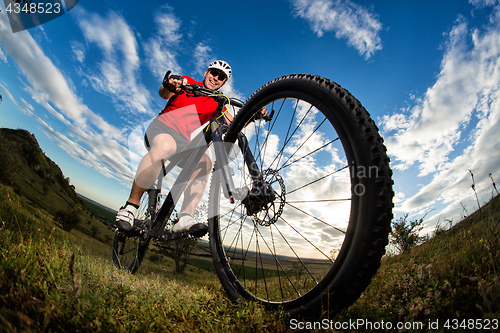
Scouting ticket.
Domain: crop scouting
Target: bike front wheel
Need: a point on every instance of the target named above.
(312, 246)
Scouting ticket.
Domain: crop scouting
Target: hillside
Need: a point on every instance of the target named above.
(58, 280)
(34, 176)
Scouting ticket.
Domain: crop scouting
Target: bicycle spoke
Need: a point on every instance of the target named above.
(317, 180)
(278, 262)
(311, 201)
(303, 143)
(300, 260)
(285, 165)
(260, 153)
(314, 217)
(288, 139)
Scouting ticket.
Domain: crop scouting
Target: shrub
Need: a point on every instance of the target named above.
(67, 219)
(405, 234)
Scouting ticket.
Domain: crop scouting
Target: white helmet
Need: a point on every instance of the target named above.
(223, 66)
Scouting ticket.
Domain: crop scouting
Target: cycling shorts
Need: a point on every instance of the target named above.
(157, 127)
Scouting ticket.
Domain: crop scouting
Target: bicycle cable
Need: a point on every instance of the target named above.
(226, 106)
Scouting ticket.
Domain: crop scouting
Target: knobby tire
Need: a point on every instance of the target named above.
(263, 257)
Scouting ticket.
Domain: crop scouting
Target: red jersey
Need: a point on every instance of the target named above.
(185, 113)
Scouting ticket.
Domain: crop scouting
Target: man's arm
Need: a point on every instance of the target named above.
(164, 93)
(229, 117)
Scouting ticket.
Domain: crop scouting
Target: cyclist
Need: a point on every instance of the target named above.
(168, 134)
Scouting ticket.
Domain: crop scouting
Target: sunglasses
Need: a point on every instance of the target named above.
(217, 73)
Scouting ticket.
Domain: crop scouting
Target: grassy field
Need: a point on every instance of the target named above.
(57, 280)
(454, 275)
(52, 280)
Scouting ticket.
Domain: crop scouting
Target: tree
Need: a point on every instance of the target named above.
(405, 234)
(181, 249)
(67, 219)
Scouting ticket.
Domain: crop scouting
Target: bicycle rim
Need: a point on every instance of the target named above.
(320, 235)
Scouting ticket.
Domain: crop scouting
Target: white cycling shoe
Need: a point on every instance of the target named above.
(125, 217)
(187, 224)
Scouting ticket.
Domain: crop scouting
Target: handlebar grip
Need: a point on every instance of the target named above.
(176, 77)
(167, 77)
(236, 102)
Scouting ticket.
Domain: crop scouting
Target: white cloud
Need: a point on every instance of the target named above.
(454, 127)
(163, 47)
(202, 57)
(21, 104)
(348, 20)
(2, 56)
(78, 51)
(483, 3)
(117, 72)
(89, 139)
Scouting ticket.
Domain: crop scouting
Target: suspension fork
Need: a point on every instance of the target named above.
(221, 152)
(222, 163)
(252, 166)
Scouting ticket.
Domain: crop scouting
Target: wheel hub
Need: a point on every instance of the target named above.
(264, 203)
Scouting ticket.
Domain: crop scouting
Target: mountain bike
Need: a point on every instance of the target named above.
(299, 205)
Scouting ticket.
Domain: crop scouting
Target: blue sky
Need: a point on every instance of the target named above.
(427, 71)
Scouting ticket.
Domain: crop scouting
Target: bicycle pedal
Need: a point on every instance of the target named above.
(173, 236)
(189, 234)
(135, 231)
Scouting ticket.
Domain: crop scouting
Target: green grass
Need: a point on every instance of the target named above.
(453, 275)
(51, 280)
(54, 280)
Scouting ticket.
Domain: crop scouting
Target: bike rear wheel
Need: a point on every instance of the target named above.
(130, 248)
(312, 247)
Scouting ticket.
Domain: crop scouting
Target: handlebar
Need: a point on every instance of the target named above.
(199, 90)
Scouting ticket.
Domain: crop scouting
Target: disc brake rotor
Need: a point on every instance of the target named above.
(271, 211)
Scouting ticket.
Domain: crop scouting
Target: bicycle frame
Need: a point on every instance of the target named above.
(309, 253)
(191, 156)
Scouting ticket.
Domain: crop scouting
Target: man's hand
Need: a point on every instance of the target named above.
(171, 85)
(175, 84)
(261, 114)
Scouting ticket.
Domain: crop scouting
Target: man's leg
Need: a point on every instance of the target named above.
(196, 186)
(149, 168)
(192, 196)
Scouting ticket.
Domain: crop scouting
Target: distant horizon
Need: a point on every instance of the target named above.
(96, 202)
